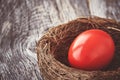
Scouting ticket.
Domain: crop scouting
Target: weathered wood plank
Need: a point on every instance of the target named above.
(105, 8)
(22, 23)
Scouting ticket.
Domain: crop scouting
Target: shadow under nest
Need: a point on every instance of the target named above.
(52, 50)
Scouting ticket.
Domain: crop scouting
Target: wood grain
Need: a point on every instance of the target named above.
(23, 22)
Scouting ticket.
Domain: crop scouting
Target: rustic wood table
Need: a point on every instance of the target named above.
(23, 22)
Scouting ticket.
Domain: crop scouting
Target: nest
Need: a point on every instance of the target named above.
(52, 50)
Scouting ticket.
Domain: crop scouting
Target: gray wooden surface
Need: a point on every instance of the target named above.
(23, 22)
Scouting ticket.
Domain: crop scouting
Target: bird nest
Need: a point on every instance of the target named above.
(52, 50)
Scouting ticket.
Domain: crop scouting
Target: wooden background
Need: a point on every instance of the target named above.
(23, 22)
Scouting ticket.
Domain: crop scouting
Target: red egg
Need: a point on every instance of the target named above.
(91, 50)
